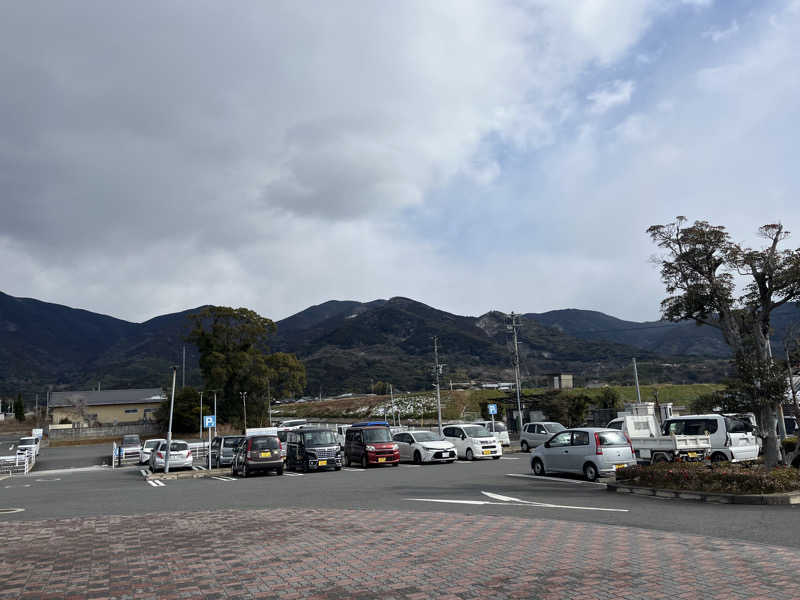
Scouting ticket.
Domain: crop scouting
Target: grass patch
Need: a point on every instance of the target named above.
(723, 478)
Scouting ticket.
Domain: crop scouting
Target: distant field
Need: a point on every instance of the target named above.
(455, 404)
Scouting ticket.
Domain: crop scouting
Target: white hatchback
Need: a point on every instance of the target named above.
(424, 446)
(473, 441)
(180, 456)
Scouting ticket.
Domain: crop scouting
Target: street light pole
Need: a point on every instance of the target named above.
(269, 404)
(169, 430)
(215, 413)
(244, 407)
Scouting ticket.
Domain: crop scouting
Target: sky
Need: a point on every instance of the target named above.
(474, 156)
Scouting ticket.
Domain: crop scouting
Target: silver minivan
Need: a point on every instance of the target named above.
(592, 451)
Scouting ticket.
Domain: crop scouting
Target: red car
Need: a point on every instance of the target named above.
(370, 443)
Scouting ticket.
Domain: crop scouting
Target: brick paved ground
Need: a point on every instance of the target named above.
(321, 554)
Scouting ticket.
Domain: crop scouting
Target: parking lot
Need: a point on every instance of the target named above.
(462, 530)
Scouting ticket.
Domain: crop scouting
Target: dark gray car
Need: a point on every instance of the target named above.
(223, 448)
(258, 453)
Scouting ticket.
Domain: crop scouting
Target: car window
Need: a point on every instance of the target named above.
(476, 431)
(553, 427)
(424, 436)
(673, 428)
(740, 426)
(151, 444)
(612, 438)
(178, 447)
(232, 442)
(318, 438)
(27, 441)
(615, 425)
(264, 443)
(580, 438)
(561, 439)
(449, 432)
(381, 434)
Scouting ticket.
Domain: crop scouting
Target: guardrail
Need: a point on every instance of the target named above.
(19, 464)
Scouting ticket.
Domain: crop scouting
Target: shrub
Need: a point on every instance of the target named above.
(726, 477)
(789, 444)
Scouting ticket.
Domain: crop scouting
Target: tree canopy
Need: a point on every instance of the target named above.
(701, 268)
(233, 344)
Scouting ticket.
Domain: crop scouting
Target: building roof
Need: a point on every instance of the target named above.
(105, 397)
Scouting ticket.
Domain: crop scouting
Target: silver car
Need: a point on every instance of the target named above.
(535, 434)
(595, 452)
(180, 456)
(147, 449)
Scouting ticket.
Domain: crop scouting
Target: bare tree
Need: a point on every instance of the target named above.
(700, 270)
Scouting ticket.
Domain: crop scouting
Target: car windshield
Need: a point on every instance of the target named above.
(379, 434)
(426, 436)
(265, 443)
(27, 441)
(149, 444)
(320, 438)
(130, 440)
(282, 436)
(231, 442)
(612, 438)
(734, 425)
(477, 431)
(499, 426)
(554, 427)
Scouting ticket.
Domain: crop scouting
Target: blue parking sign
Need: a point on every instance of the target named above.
(209, 421)
(492, 409)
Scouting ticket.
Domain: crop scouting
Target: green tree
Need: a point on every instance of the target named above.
(234, 358)
(609, 398)
(19, 409)
(185, 413)
(700, 271)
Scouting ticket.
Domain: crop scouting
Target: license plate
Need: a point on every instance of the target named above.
(322, 463)
(692, 454)
(381, 460)
(487, 452)
(620, 466)
(266, 454)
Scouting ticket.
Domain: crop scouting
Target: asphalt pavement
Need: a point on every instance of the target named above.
(504, 487)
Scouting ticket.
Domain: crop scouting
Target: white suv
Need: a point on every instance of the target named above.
(473, 441)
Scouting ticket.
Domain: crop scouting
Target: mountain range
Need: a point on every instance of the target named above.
(349, 346)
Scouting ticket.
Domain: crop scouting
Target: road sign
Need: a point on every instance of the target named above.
(492, 409)
(209, 421)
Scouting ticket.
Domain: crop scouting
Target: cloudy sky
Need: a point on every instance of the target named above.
(156, 156)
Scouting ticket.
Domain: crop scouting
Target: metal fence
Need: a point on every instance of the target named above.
(121, 457)
(19, 464)
(86, 433)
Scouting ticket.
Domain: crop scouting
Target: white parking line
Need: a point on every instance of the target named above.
(350, 469)
(554, 479)
(415, 466)
(509, 458)
(198, 468)
(293, 474)
(156, 483)
(224, 478)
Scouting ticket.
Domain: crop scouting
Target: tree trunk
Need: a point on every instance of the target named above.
(769, 422)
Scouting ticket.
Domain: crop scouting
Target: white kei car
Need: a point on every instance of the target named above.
(424, 447)
(473, 441)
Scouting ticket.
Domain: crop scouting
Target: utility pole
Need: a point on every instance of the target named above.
(183, 369)
(215, 413)
(269, 404)
(436, 369)
(169, 430)
(513, 326)
(243, 395)
(636, 381)
(394, 413)
(201, 415)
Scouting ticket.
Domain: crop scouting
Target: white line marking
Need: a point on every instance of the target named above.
(223, 478)
(152, 484)
(73, 470)
(413, 466)
(509, 458)
(547, 505)
(351, 469)
(544, 477)
(470, 502)
(294, 474)
(53, 479)
(143, 472)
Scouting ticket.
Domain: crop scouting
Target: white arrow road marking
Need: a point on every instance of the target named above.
(470, 502)
(546, 478)
(548, 505)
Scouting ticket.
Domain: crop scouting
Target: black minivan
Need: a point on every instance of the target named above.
(309, 449)
(258, 453)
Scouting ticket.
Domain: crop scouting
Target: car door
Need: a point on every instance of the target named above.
(404, 441)
(557, 450)
(452, 435)
(575, 457)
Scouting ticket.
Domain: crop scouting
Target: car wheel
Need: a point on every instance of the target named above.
(660, 458)
(279, 471)
(346, 460)
(538, 467)
(450, 462)
(468, 455)
(495, 458)
(364, 463)
(244, 471)
(417, 457)
(718, 457)
(524, 446)
(397, 464)
(590, 472)
(337, 468)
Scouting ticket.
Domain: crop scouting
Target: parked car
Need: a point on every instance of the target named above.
(424, 447)
(368, 444)
(499, 429)
(312, 449)
(592, 451)
(180, 456)
(473, 441)
(731, 439)
(650, 446)
(131, 444)
(28, 444)
(534, 434)
(294, 423)
(223, 448)
(283, 433)
(791, 424)
(258, 453)
(147, 449)
(340, 433)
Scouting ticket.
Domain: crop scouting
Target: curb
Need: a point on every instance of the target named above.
(189, 474)
(784, 498)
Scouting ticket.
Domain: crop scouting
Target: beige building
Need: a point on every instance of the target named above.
(105, 407)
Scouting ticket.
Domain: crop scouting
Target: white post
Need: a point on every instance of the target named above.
(209, 443)
(169, 430)
(215, 414)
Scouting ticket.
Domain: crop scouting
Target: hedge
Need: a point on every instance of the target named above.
(725, 478)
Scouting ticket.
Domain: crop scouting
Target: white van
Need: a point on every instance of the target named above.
(499, 429)
(473, 441)
(731, 439)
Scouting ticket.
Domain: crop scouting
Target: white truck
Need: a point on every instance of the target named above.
(650, 446)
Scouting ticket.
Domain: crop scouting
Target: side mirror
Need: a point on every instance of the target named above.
(463, 436)
(547, 444)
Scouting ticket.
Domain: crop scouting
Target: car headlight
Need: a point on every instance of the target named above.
(395, 447)
(370, 448)
(429, 449)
